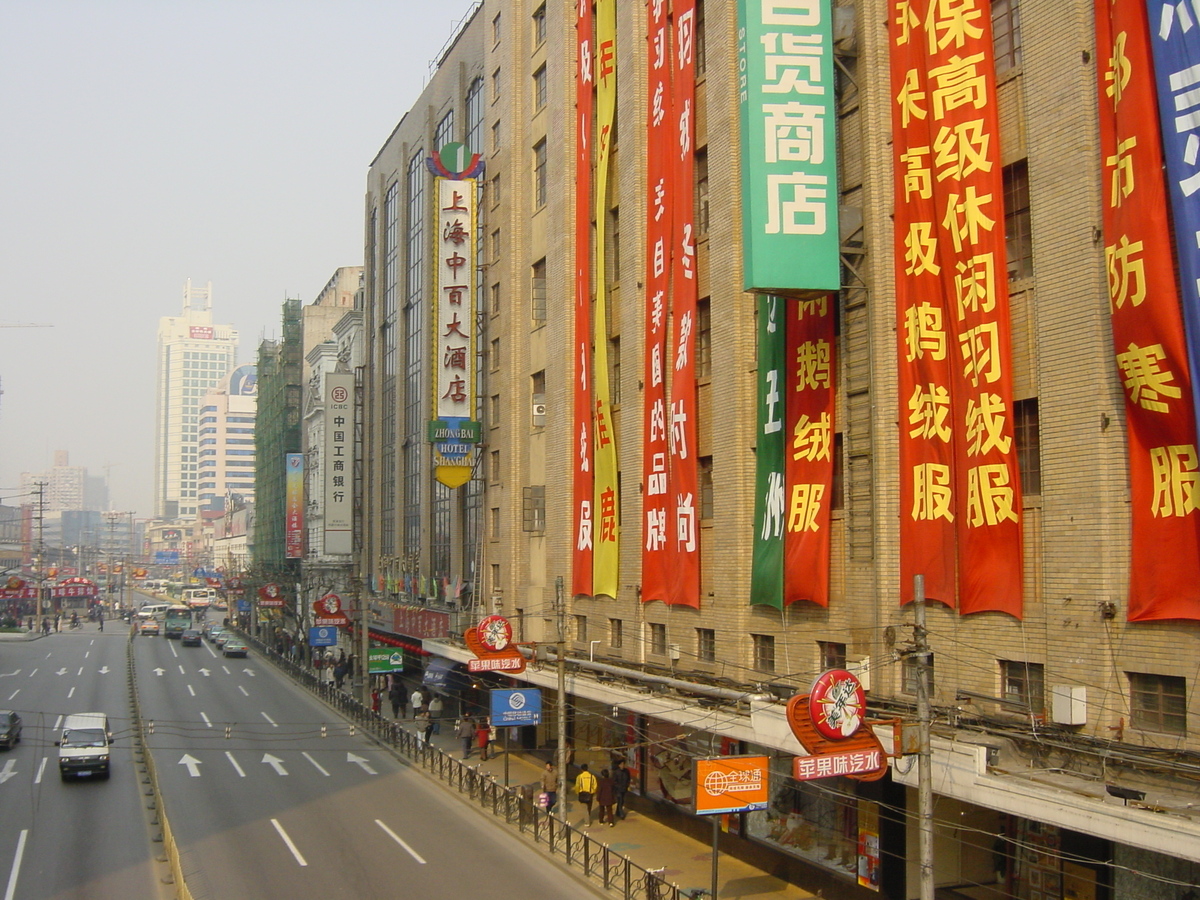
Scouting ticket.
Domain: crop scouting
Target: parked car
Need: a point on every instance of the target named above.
(149, 626)
(234, 647)
(10, 728)
(190, 638)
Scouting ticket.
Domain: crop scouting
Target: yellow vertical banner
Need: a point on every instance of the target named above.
(605, 563)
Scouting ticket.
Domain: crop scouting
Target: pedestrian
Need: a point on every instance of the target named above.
(605, 797)
(100, 618)
(57, 625)
(466, 733)
(426, 724)
(435, 713)
(376, 700)
(45, 625)
(585, 791)
(483, 737)
(339, 674)
(550, 785)
(621, 779)
(418, 702)
(396, 695)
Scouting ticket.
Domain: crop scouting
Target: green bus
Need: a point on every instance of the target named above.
(177, 620)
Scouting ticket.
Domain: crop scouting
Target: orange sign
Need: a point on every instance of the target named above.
(728, 784)
(507, 659)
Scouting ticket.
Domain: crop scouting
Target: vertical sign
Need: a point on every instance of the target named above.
(605, 562)
(788, 131)
(581, 463)
(294, 505)
(338, 462)
(766, 578)
(1147, 325)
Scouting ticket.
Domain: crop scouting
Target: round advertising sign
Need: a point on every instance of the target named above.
(495, 632)
(837, 704)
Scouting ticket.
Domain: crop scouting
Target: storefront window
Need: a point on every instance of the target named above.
(670, 751)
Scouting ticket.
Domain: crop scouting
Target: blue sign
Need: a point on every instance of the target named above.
(166, 557)
(244, 606)
(322, 636)
(522, 707)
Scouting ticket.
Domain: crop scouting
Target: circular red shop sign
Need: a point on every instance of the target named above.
(837, 704)
(495, 632)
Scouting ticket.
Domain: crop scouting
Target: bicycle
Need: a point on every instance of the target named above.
(654, 883)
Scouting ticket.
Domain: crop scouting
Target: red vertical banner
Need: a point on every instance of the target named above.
(660, 205)
(954, 311)
(1147, 325)
(582, 473)
(810, 385)
(685, 479)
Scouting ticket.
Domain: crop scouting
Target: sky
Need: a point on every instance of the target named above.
(146, 143)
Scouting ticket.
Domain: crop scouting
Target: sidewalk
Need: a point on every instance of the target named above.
(644, 840)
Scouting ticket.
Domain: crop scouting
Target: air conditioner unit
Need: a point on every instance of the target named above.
(539, 409)
(1068, 704)
(497, 604)
(673, 651)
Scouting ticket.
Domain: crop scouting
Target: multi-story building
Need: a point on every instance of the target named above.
(65, 486)
(194, 355)
(1065, 743)
(226, 445)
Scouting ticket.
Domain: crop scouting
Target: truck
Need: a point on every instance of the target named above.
(177, 620)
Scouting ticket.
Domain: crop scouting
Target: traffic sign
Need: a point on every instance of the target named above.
(323, 636)
(516, 707)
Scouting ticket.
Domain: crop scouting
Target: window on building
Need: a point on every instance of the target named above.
(1017, 224)
(838, 500)
(539, 25)
(706, 645)
(1158, 703)
(537, 290)
(763, 647)
(494, 186)
(537, 391)
(494, 411)
(703, 338)
(539, 174)
(614, 245)
(496, 29)
(701, 41)
(581, 632)
(908, 674)
(495, 523)
(539, 89)
(1006, 34)
(658, 638)
(494, 466)
(701, 211)
(496, 586)
(475, 116)
(495, 247)
(1024, 683)
(831, 654)
(496, 136)
(495, 289)
(614, 365)
(615, 633)
(533, 508)
(704, 466)
(444, 133)
(1027, 435)
(495, 355)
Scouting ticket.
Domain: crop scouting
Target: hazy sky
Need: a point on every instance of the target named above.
(145, 143)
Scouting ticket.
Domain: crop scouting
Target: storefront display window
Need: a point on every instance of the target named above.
(670, 751)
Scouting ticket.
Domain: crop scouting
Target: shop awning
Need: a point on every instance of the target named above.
(442, 674)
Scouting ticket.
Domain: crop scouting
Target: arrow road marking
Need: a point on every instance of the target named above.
(320, 768)
(61, 672)
(193, 765)
(274, 724)
(362, 762)
(12, 673)
(283, 834)
(275, 763)
(249, 672)
(9, 771)
(233, 762)
(205, 718)
(158, 672)
(103, 670)
(204, 672)
(395, 837)
(11, 890)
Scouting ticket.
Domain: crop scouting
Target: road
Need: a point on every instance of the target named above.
(79, 840)
(266, 788)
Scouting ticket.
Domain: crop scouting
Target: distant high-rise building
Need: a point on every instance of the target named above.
(227, 440)
(194, 355)
(66, 487)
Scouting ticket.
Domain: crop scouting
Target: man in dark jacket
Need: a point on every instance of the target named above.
(620, 781)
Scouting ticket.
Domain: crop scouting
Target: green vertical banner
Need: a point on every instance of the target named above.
(766, 577)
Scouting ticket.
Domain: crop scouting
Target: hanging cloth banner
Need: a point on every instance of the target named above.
(660, 203)
(606, 561)
(808, 458)
(766, 573)
(685, 476)
(1176, 46)
(954, 323)
(581, 464)
(1147, 325)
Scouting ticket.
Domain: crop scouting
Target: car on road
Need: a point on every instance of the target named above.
(190, 638)
(10, 728)
(150, 626)
(221, 638)
(234, 647)
(83, 747)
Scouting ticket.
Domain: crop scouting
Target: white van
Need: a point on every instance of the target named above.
(154, 610)
(83, 746)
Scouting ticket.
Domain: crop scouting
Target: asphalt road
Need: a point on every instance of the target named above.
(270, 795)
(88, 838)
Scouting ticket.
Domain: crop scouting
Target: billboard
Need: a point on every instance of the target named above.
(339, 462)
(294, 505)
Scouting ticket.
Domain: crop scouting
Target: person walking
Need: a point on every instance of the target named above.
(605, 797)
(550, 785)
(621, 779)
(100, 617)
(435, 713)
(483, 737)
(466, 734)
(585, 791)
(418, 702)
(396, 696)
(426, 721)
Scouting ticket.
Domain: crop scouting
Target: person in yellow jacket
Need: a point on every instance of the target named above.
(585, 790)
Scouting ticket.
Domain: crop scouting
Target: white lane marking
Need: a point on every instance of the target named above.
(287, 840)
(41, 769)
(191, 690)
(57, 722)
(274, 724)
(80, 672)
(211, 651)
(275, 763)
(243, 690)
(233, 762)
(226, 668)
(92, 641)
(71, 693)
(34, 672)
(320, 768)
(204, 716)
(16, 867)
(395, 837)
(181, 672)
(87, 653)
(14, 693)
(174, 652)
(193, 764)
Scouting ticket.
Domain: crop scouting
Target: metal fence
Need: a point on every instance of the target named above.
(518, 809)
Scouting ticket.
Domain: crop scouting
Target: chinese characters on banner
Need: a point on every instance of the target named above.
(808, 450)
(1147, 325)
(293, 529)
(671, 547)
(605, 514)
(788, 141)
(960, 497)
(338, 462)
(766, 579)
(583, 481)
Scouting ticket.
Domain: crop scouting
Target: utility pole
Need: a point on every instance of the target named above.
(40, 490)
(561, 658)
(924, 755)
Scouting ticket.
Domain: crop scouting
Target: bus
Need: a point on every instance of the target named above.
(199, 598)
(177, 620)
